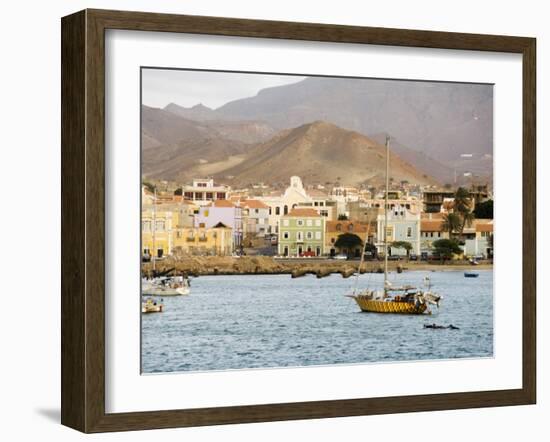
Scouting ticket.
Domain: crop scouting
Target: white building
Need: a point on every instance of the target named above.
(203, 191)
(403, 225)
(280, 205)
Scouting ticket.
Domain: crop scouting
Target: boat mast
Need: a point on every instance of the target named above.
(154, 229)
(386, 214)
(362, 255)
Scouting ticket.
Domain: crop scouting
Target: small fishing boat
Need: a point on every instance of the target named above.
(151, 306)
(471, 274)
(404, 300)
(166, 286)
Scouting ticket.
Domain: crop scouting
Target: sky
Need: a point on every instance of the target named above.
(213, 89)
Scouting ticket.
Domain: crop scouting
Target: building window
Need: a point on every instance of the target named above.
(220, 195)
(277, 210)
(285, 251)
(159, 226)
(285, 210)
(309, 235)
(318, 222)
(350, 228)
(146, 226)
(270, 210)
(318, 251)
(285, 235)
(285, 222)
(300, 222)
(209, 196)
(318, 235)
(338, 227)
(309, 222)
(299, 236)
(409, 232)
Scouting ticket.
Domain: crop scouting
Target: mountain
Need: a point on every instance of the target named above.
(441, 120)
(247, 131)
(176, 148)
(320, 152)
(160, 127)
(198, 112)
(424, 163)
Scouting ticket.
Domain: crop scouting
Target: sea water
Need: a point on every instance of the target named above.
(267, 321)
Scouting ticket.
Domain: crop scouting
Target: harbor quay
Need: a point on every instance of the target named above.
(263, 265)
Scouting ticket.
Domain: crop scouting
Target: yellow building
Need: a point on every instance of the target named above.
(217, 240)
(163, 233)
(157, 231)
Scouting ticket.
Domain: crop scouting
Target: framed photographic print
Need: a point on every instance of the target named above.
(269, 221)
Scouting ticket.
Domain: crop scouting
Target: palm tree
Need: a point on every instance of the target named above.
(462, 200)
(467, 221)
(451, 223)
(463, 206)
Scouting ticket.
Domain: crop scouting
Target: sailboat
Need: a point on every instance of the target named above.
(405, 299)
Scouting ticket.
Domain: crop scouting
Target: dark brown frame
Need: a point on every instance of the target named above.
(83, 215)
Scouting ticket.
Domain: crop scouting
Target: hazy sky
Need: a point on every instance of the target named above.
(213, 89)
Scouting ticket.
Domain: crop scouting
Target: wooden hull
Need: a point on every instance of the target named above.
(376, 306)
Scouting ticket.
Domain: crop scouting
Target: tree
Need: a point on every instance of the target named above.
(403, 245)
(451, 223)
(348, 241)
(342, 217)
(371, 248)
(462, 205)
(178, 191)
(462, 200)
(484, 210)
(150, 187)
(446, 248)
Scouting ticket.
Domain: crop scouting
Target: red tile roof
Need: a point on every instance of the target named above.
(254, 204)
(429, 225)
(222, 203)
(303, 212)
(484, 227)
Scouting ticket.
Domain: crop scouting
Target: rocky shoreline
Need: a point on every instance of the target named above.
(264, 265)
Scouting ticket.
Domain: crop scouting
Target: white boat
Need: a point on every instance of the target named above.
(166, 286)
(151, 306)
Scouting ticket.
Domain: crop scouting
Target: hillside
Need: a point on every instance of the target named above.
(320, 152)
(247, 131)
(441, 120)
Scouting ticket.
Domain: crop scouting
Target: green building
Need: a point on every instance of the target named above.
(302, 233)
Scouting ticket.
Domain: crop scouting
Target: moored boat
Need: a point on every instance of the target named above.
(471, 274)
(166, 286)
(151, 306)
(402, 300)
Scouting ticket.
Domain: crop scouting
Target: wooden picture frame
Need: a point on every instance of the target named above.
(83, 220)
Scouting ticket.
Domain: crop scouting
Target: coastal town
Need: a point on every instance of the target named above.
(276, 210)
(204, 218)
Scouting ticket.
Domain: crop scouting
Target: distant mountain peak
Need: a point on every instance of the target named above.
(201, 106)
